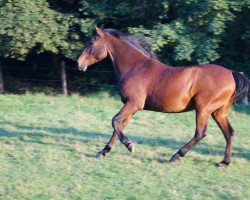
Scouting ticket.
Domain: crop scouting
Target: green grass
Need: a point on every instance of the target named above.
(48, 144)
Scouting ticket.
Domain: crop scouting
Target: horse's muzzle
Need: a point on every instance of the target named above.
(82, 67)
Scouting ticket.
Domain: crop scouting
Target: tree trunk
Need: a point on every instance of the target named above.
(64, 78)
(1, 80)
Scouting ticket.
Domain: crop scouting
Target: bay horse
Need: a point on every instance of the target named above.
(146, 83)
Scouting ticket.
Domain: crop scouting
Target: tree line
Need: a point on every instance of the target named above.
(182, 32)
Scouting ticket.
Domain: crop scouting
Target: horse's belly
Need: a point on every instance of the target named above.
(169, 104)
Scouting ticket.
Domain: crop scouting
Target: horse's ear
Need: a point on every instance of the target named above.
(98, 31)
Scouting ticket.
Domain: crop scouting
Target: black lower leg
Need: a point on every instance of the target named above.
(102, 153)
(226, 161)
(179, 154)
(124, 140)
(107, 148)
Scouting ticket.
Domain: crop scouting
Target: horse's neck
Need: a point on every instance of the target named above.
(124, 56)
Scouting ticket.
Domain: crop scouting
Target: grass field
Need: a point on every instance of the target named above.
(48, 144)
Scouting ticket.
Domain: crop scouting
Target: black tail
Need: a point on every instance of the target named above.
(242, 85)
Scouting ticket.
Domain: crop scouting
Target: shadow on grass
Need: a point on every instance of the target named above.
(37, 134)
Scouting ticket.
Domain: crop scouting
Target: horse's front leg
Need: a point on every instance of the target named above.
(108, 146)
(119, 121)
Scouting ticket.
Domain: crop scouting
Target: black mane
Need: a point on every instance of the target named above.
(139, 42)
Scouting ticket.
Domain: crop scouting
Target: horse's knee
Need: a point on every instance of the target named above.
(116, 123)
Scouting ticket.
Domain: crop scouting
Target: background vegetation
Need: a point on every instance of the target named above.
(44, 32)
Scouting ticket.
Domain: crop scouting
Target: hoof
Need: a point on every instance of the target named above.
(174, 159)
(222, 164)
(100, 154)
(131, 147)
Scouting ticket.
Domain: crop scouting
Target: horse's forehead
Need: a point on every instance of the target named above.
(91, 42)
(95, 39)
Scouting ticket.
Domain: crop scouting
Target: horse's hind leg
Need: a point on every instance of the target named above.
(221, 119)
(119, 122)
(200, 132)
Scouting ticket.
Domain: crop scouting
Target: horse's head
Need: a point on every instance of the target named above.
(94, 52)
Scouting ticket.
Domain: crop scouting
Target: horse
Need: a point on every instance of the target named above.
(147, 84)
